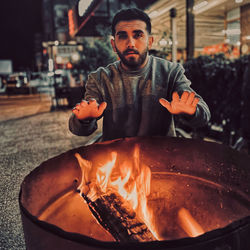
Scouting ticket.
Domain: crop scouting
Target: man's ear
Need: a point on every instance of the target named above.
(113, 44)
(150, 41)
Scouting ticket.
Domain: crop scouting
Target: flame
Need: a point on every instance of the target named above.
(131, 179)
(189, 224)
(103, 173)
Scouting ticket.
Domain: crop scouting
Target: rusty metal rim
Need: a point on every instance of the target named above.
(207, 237)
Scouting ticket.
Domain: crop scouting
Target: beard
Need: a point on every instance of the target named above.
(133, 62)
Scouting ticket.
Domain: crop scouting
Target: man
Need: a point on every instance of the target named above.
(139, 94)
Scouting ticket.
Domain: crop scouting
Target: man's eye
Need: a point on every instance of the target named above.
(138, 35)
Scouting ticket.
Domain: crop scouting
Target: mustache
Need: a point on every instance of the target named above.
(128, 51)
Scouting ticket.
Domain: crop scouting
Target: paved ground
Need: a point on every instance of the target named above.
(12, 107)
(29, 135)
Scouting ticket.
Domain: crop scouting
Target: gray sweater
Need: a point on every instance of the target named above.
(132, 97)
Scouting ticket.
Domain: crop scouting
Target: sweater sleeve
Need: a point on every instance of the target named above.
(202, 114)
(83, 127)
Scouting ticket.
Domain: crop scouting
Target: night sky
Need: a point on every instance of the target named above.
(19, 21)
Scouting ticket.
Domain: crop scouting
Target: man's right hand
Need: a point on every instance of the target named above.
(90, 109)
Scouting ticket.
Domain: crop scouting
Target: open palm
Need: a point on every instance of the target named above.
(184, 105)
(90, 109)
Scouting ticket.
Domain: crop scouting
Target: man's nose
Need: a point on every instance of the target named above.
(131, 42)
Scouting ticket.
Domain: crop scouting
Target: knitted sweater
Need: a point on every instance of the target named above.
(132, 97)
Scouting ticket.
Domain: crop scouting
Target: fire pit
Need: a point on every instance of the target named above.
(199, 196)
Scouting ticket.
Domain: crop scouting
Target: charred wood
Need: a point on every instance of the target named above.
(118, 217)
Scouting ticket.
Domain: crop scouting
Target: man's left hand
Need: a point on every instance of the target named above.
(184, 105)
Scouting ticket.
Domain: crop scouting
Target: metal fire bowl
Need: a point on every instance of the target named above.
(210, 180)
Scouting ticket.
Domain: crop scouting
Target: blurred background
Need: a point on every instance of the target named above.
(48, 47)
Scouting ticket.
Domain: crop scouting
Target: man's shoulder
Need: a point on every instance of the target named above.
(163, 64)
(107, 70)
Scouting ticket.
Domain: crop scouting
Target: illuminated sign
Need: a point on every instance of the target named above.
(72, 22)
(65, 50)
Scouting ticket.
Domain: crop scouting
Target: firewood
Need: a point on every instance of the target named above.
(118, 217)
(111, 210)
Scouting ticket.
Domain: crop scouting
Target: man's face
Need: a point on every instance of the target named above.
(131, 43)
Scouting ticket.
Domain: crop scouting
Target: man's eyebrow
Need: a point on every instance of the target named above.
(138, 31)
(121, 33)
(124, 32)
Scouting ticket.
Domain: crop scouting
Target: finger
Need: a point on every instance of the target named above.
(184, 96)
(195, 101)
(101, 108)
(75, 111)
(93, 103)
(77, 106)
(165, 104)
(190, 98)
(83, 103)
(92, 100)
(175, 97)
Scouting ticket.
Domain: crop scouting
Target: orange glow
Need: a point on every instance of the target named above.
(103, 173)
(131, 179)
(69, 65)
(189, 224)
(72, 23)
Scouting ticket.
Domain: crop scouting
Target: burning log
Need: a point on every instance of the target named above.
(112, 211)
(118, 217)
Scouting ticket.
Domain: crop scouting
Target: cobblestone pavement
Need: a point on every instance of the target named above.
(25, 143)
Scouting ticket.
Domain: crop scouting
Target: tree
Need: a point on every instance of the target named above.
(92, 57)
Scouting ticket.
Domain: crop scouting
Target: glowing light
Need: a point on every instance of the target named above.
(163, 42)
(231, 31)
(153, 14)
(50, 74)
(51, 64)
(59, 59)
(200, 5)
(75, 57)
(58, 72)
(72, 23)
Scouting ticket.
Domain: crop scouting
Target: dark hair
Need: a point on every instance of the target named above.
(131, 14)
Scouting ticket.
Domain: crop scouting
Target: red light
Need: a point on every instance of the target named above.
(72, 24)
(69, 65)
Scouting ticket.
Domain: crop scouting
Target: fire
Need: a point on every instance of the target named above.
(131, 179)
(189, 224)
